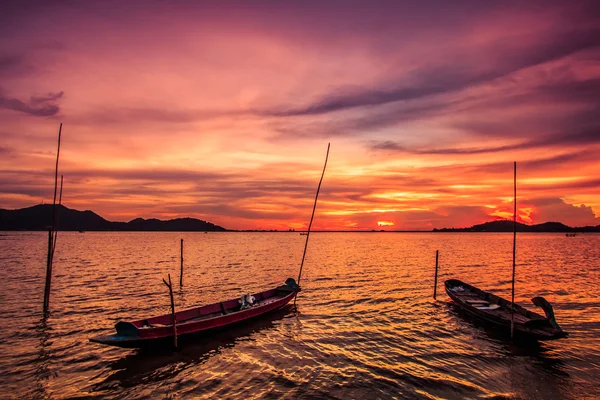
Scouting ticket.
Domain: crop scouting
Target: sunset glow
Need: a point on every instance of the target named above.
(223, 111)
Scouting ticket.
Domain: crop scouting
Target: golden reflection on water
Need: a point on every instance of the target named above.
(365, 325)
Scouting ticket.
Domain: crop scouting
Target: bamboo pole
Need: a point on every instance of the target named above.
(52, 233)
(437, 253)
(57, 214)
(61, 186)
(512, 311)
(48, 273)
(313, 214)
(170, 286)
(56, 178)
(181, 273)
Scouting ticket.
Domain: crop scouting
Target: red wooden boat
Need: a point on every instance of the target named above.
(496, 312)
(154, 331)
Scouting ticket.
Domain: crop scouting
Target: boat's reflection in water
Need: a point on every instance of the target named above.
(520, 343)
(527, 355)
(153, 365)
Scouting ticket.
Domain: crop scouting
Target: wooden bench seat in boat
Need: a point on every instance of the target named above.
(477, 302)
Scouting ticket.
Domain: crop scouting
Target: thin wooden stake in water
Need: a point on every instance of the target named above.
(313, 214)
(48, 273)
(170, 286)
(437, 253)
(512, 311)
(61, 186)
(181, 273)
(56, 229)
(52, 234)
(56, 179)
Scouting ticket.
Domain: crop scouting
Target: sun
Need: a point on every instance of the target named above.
(385, 223)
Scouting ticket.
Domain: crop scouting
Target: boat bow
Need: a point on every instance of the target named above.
(548, 310)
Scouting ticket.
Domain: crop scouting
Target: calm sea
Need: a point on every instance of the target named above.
(365, 325)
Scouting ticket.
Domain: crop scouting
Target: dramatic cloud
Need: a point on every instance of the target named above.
(456, 74)
(555, 210)
(223, 111)
(46, 98)
(38, 106)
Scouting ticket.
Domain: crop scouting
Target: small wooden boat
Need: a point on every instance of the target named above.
(154, 331)
(496, 311)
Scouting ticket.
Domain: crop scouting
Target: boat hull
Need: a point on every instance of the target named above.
(528, 325)
(158, 331)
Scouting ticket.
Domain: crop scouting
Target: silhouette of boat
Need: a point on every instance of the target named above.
(496, 311)
(504, 315)
(571, 234)
(159, 330)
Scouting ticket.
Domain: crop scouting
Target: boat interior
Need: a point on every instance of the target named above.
(212, 310)
(491, 303)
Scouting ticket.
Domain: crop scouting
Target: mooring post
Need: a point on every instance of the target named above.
(437, 253)
(181, 273)
(514, 266)
(52, 231)
(170, 286)
(48, 272)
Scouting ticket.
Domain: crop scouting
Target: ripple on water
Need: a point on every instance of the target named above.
(365, 326)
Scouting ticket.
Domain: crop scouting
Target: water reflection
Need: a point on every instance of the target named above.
(368, 326)
(42, 370)
(534, 373)
(533, 370)
(154, 365)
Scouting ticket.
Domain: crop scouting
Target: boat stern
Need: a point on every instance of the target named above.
(289, 286)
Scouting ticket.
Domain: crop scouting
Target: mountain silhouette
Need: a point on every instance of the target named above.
(39, 217)
(507, 226)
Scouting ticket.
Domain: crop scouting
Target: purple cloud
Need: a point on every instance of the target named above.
(42, 106)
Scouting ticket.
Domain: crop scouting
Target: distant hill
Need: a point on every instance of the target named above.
(39, 217)
(174, 225)
(507, 226)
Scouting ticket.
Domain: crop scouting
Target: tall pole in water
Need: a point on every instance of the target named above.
(52, 232)
(437, 254)
(55, 230)
(512, 310)
(313, 214)
(181, 272)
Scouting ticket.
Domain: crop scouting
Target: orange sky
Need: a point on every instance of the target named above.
(223, 112)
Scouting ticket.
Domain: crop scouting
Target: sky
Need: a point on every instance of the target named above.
(223, 110)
